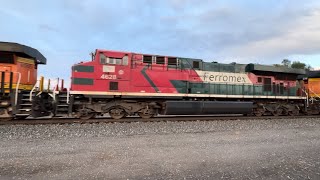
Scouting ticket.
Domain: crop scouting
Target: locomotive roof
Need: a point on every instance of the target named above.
(310, 74)
(267, 68)
(23, 49)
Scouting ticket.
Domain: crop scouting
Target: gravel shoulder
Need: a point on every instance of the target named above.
(252, 149)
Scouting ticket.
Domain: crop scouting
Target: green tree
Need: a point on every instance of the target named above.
(286, 62)
(299, 65)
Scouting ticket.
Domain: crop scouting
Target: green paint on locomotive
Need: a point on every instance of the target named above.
(82, 81)
(189, 63)
(80, 68)
(229, 89)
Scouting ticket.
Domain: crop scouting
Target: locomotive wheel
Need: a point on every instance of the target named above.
(294, 112)
(258, 112)
(146, 113)
(4, 115)
(145, 116)
(85, 114)
(277, 112)
(285, 112)
(117, 113)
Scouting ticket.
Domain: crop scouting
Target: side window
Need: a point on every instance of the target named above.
(147, 59)
(6, 58)
(196, 64)
(160, 60)
(259, 79)
(172, 61)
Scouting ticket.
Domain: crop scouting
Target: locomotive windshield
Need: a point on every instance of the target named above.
(111, 60)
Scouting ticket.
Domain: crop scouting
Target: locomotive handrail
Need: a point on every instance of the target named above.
(54, 95)
(68, 94)
(307, 99)
(17, 88)
(33, 88)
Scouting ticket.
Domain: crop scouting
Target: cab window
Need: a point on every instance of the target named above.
(6, 58)
(110, 60)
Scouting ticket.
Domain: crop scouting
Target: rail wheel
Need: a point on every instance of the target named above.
(86, 114)
(258, 112)
(5, 115)
(117, 113)
(146, 113)
(294, 112)
(277, 112)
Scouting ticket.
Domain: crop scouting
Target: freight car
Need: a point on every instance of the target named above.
(126, 83)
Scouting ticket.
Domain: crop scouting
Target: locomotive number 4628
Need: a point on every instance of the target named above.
(108, 76)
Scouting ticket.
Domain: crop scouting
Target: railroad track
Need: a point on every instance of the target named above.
(155, 119)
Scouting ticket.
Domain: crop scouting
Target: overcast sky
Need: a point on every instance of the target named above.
(244, 31)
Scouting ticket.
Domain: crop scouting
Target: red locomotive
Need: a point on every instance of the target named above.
(126, 83)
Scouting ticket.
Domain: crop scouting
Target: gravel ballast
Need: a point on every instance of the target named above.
(238, 149)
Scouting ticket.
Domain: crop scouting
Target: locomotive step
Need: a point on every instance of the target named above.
(22, 114)
(63, 105)
(25, 104)
(63, 95)
(60, 114)
(27, 95)
(25, 110)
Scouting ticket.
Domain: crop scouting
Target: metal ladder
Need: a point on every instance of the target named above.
(62, 106)
(24, 107)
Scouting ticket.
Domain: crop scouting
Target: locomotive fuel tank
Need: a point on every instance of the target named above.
(207, 107)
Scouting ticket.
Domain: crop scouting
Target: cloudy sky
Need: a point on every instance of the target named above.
(244, 31)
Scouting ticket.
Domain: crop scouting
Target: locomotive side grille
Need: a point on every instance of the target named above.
(82, 81)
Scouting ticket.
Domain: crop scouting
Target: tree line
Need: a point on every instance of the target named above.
(293, 64)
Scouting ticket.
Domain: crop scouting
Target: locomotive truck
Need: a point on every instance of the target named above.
(126, 83)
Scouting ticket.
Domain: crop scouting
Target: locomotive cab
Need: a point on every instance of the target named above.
(18, 74)
(108, 71)
(18, 63)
